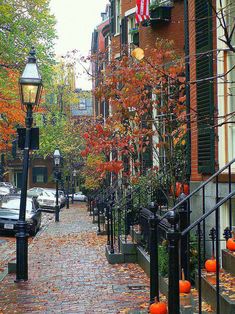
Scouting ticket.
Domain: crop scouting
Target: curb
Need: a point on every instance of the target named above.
(3, 274)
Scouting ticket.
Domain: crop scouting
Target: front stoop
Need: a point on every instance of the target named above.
(228, 261)
(135, 234)
(143, 260)
(128, 253)
(114, 258)
(227, 304)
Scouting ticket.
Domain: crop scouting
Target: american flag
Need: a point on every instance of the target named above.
(142, 10)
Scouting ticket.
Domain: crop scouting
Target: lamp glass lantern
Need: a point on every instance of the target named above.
(30, 83)
(57, 157)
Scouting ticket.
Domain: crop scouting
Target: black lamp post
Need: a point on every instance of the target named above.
(73, 184)
(57, 159)
(30, 92)
(67, 197)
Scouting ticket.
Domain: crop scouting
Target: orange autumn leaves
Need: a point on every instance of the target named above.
(11, 114)
(99, 143)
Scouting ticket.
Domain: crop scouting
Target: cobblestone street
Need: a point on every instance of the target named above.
(69, 273)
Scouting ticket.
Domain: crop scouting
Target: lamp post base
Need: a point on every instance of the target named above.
(21, 251)
(57, 213)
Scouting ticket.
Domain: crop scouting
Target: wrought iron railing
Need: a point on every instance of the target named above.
(205, 238)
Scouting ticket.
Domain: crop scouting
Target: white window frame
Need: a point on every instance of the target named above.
(118, 16)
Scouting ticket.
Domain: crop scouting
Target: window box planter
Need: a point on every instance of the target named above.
(160, 14)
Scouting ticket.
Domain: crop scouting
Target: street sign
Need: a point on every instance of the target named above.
(34, 142)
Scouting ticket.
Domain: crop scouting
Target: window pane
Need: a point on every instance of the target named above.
(39, 175)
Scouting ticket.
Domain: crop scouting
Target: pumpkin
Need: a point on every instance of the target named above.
(231, 243)
(180, 188)
(210, 265)
(184, 285)
(158, 307)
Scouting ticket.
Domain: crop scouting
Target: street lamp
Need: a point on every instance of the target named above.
(30, 85)
(73, 184)
(57, 160)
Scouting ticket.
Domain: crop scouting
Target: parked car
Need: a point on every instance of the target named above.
(8, 185)
(9, 214)
(78, 196)
(34, 192)
(61, 195)
(48, 200)
(4, 191)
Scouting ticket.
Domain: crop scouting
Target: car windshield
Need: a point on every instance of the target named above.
(14, 203)
(47, 194)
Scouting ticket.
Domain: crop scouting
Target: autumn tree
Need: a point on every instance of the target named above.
(148, 114)
(23, 24)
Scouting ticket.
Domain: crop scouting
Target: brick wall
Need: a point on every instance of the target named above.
(173, 30)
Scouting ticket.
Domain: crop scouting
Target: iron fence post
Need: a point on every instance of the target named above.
(108, 223)
(173, 236)
(111, 229)
(153, 246)
(98, 207)
(184, 222)
(119, 226)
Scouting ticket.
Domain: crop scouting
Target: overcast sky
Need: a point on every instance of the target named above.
(76, 20)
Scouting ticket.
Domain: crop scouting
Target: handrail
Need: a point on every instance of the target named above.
(203, 217)
(148, 214)
(200, 187)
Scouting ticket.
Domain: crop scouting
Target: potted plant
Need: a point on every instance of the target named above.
(160, 10)
(135, 35)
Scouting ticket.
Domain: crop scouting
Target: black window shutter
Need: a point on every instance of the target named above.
(124, 39)
(45, 175)
(205, 88)
(112, 17)
(35, 172)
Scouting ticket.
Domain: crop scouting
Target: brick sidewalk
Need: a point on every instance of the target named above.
(68, 273)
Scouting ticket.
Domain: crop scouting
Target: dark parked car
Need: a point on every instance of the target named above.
(8, 185)
(9, 214)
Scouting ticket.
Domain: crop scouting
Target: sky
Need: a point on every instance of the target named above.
(76, 20)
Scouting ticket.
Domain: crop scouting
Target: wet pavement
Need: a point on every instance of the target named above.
(69, 273)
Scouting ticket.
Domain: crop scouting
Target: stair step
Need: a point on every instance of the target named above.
(228, 261)
(227, 291)
(189, 304)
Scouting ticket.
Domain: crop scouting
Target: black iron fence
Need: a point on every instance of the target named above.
(187, 244)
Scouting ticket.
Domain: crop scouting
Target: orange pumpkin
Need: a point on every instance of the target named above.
(158, 307)
(180, 188)
(184, 285)
(210, 265)
(231, 243)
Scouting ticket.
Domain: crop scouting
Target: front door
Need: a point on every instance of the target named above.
(18, 179)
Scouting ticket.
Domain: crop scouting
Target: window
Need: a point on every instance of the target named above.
(231, 19)
(82, 104)
(131, 26)
(39, 175)
(231, 99)
(118, 16)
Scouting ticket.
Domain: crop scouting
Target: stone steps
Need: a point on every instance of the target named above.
(227, 284)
